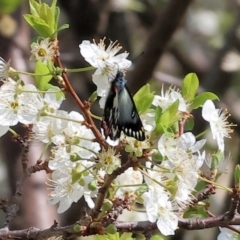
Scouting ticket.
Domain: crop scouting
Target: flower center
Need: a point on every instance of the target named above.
(42, 52)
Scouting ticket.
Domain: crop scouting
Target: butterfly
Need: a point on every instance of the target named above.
(120, 112)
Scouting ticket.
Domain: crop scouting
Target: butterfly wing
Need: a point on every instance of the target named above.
(128, 119)
(120, 112)
(109, 121)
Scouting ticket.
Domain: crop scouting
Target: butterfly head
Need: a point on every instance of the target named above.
(119, 81)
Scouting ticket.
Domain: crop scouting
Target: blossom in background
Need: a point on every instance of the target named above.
(43, 51)
(219, 125)
(166, 99)
(106, 61)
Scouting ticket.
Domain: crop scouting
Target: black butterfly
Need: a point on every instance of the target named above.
(120, 112)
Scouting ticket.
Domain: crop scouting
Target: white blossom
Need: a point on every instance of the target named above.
(228, 234)
(219, 125)
(18, 103)
(106, 61)
(159, 208)
(43, 50)
(109, 160)
(65, 191)
(129, 177)
(165, 100)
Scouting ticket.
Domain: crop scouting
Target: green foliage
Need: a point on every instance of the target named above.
(44, 18)
(111, 228)
(143, 98)
(237, 176)
(189, 125)
(43, 76)
(156, 237)
(199, 100)
(189, 86)
(93, 97)
(196, 212)
(200, 186)
(166, 119)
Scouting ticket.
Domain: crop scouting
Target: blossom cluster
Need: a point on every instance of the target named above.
(172, 159)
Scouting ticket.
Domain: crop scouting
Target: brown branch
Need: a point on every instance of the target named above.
(85, 108)
(11, 208)
(144, 226)
(232, 212)
(104, 188)
(157, 41)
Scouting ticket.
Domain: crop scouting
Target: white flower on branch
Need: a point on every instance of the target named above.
(126, 182)
(43, 51)
(166, 99)
(106, 61)
(219, 125)
(65, 191)
(159, 208)
(109, 160)
(18, 104)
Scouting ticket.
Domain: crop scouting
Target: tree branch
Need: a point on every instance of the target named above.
(157, 41)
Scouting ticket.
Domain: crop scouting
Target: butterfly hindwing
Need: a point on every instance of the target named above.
(129, 120)
(120, 112)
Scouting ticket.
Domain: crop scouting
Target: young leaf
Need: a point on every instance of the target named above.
(38, 25)
(42, 81)
(143, 98)
(173, 111)
(199, 100)
(189, 86)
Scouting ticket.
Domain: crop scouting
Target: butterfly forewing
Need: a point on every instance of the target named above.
(120, 113)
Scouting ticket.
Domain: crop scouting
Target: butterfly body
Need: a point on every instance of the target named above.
(120, 112)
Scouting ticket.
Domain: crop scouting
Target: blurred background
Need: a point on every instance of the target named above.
(176, 37)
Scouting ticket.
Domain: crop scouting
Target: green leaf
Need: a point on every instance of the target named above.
(158, 115)
(196, 212)
(189, 86)
(166, 119)
(56, 18)
(126, 236)
(59, 94)
(199, 100)
(237, 176)
(156, 237)
(42, 81)
(62, 27)
(143, 98)
(38, 25)
(43, 15)
(200, 186)
(189, 125)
